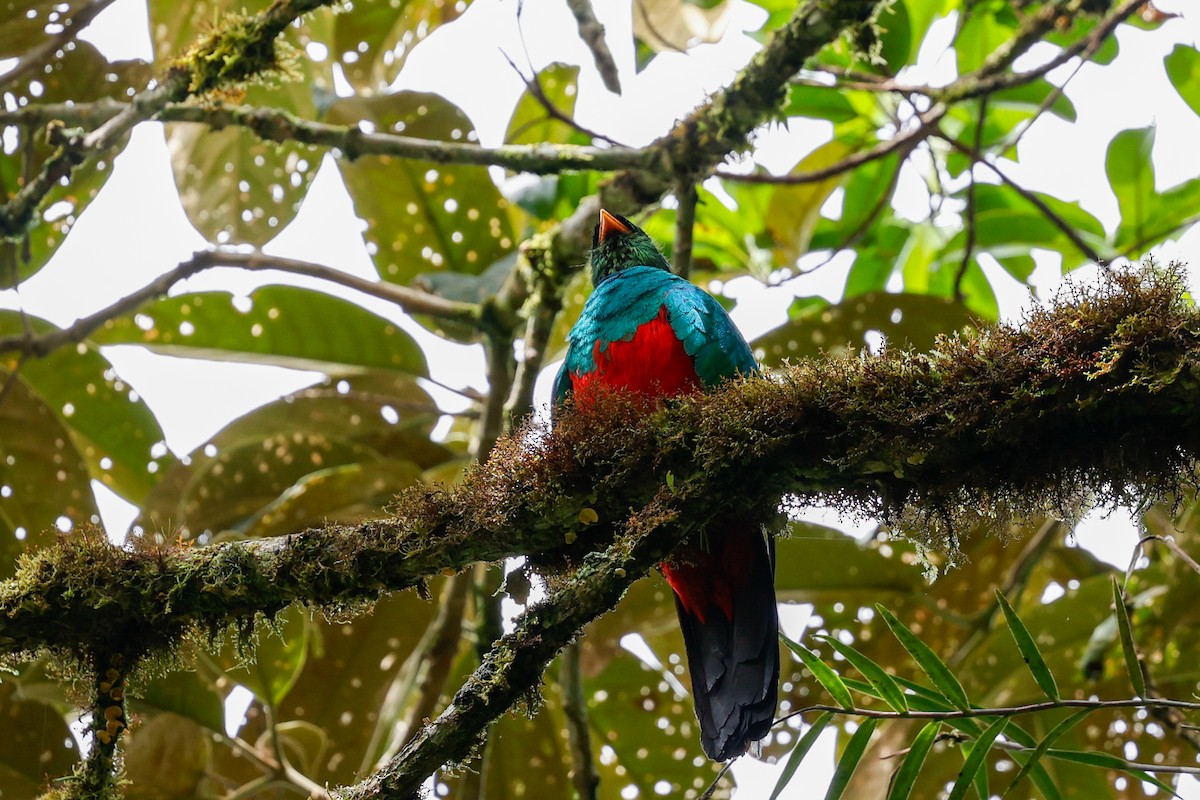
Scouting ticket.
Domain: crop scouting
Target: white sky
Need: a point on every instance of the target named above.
(136, 228)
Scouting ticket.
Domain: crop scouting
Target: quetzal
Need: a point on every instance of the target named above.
(651, 333)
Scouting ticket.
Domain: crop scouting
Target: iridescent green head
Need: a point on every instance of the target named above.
(618, 244)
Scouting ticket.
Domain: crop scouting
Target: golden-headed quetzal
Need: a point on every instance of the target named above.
(648, 332)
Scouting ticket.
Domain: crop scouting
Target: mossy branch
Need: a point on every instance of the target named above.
(1095, 398)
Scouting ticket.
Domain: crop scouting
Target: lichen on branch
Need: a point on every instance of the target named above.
(1095, 398)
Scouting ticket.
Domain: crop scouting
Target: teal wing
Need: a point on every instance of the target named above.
(708, 334)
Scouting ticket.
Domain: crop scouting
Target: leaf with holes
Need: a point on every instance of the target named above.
(44, 481)
(431, 218)
(279, 325)
(373, 38)
(904, 320)
(109, 424)
(79, 74)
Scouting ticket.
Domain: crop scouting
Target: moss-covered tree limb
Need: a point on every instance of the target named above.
(1097, 397)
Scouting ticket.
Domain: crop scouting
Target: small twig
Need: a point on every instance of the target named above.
(592, 34)
(411, 300)
(927, 126)
(990, 78)
(969, 247)
(534, 87)
(72, 24)
(712, 787)
(685, 223)
(583, 768)
(1037, 202)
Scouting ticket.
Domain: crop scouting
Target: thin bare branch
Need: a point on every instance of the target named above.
(901, 143)
(583, 767)
(969, 246)
(685, 222)
(592, 34)
(411, 300)
(1050, 214)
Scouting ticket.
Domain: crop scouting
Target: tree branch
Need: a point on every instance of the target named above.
(592, 34)
(243, 48)
(413, 301)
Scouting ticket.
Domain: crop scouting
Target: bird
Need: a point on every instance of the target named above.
(651, 334)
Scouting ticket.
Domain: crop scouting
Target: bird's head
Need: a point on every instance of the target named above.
(618, 244)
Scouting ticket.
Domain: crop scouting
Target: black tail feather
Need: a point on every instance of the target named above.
(734, 662)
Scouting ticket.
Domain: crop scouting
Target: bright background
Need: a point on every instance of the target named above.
(136, 229)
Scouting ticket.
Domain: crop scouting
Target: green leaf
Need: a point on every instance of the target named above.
(531, 123)
(799, 752)
(927, 659)
(431, 218)
(79, 74)
(976, 758)
(44, 482)
(795, 210)
(280, 325)
(185, 693)
(906, 776)
(109, 424)
(884, 685)
(850, 758)
(905, 320)
(989, 25)
(1183, 69)
(277, 658)
(1029, 649)
(822, 672)
(1109, 761)
(373, 38)
(1130, 173)
(1034, 758)
(819, 102)
(864, 574)
(168, 752)
(38, 746)
(1128, 646)
(344, 493)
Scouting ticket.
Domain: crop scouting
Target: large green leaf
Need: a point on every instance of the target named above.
(165, 757)
(278, 656)
(38, 746)
(1131, 176)
(109, 424)
(44, 482)
(234, 187)
(425, 218)
(794, 210)
(373, 38)
(905, 320)
(79, 74)
(279, 325)
(288, 461)
(864, 574)
(989, 24)
(1183, 69)
(348, 671)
